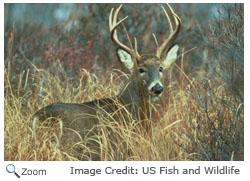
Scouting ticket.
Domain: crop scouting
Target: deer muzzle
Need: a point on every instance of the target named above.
(157, 89)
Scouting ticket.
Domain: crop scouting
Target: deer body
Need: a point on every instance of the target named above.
(78, 122)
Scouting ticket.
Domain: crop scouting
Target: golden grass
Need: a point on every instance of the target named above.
(198, 119)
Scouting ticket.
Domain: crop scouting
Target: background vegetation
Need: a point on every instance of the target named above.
(63, 53)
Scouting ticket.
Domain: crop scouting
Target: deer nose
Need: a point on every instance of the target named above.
(157, 89)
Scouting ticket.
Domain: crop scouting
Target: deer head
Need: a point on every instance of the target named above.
(147, 70)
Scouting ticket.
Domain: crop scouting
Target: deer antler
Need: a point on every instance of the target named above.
(173, 34)
(113, 24)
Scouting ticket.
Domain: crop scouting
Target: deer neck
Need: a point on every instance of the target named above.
(133, 96)
(133, 92)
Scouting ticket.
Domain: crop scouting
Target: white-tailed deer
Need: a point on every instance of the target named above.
(144, 87)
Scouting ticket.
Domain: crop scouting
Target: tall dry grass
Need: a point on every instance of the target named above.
(32, 93)
(200, 117)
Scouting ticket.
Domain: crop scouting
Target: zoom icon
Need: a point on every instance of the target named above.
(12, 169)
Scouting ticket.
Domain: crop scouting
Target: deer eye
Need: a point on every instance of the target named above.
(160, 69)
(141, 70)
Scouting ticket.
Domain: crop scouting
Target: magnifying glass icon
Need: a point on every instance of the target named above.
(11, 169)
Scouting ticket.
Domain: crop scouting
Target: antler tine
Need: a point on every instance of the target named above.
(177, 17)
(110, 19)
(113, 24)
(136, 51)
(173, 33)
(168, 18)
(156, 42)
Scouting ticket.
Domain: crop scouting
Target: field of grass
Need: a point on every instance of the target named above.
(201, 114)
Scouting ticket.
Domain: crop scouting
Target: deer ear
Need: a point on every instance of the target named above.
(171, 56)
(126, 59)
